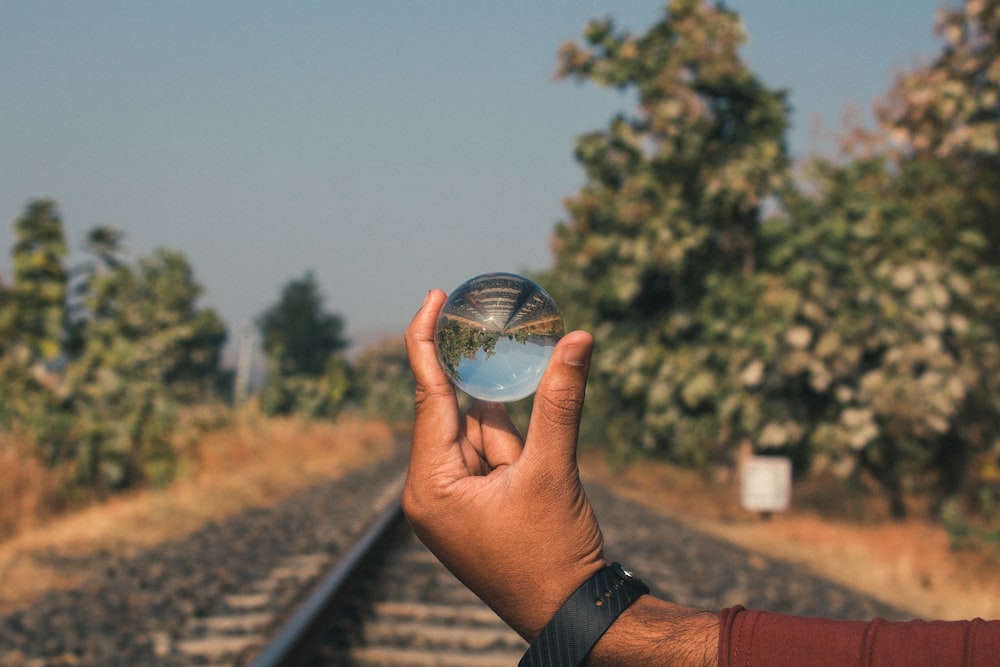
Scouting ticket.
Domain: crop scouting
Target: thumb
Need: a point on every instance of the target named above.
(558, 403)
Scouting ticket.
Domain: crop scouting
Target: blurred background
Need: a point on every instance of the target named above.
(778, 221)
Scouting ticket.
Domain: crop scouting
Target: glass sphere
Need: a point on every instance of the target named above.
(496, 334)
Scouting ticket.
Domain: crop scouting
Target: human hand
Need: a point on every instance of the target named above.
(508, 516)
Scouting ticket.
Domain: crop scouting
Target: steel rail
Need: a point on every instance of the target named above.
(312, 615)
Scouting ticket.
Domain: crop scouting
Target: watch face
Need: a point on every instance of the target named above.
(629, 577)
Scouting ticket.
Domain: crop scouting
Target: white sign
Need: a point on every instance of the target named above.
(766, 483)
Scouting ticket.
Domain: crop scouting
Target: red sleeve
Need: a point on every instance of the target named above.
(750, 638)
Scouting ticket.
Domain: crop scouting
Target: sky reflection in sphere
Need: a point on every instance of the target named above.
(496, 334)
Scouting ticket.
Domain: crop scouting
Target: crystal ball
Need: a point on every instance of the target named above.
(496, 334)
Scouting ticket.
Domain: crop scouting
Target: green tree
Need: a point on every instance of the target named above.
(302, 343)
(669, 214)
(40, 279)
(148, 349)
(945, 117)
(298, 335)
(885, 354)
(96, 363)
(895, 265)
(32, 311)
(856, 327)
(105, 245)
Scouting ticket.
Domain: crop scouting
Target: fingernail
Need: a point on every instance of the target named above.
(427, 297)
(575, 355)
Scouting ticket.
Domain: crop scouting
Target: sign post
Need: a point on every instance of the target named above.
(766, 484)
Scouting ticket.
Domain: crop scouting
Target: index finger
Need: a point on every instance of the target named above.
(435, 426)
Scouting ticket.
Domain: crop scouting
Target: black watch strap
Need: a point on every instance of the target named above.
(584, 618)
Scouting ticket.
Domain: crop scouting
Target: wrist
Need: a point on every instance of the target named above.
(654, 632)
(584, 617)
(552, 600)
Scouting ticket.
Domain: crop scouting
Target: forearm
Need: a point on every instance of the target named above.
(775, 640)
(656, 633)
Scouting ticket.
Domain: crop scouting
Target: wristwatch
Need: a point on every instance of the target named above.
(584, 618)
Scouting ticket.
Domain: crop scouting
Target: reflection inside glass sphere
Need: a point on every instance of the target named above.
(496, 334)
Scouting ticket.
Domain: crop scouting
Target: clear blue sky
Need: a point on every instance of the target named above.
(390, 146)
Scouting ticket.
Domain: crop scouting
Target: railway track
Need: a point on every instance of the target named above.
(256, 621)
(401, 608)
(235, 592)
(389, 602)
(406, 610)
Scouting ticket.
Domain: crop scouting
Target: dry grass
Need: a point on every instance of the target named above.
(908, 564)
(255, 462)
(28, 491)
